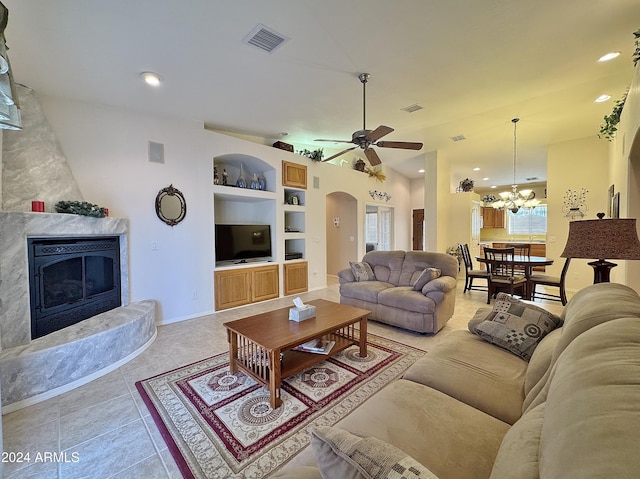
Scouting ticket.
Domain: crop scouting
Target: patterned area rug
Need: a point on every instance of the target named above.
(220, 425)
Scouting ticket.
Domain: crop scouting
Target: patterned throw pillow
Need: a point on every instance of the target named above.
(428, 274)
(343, 455)
(362, 271)
(515, 326)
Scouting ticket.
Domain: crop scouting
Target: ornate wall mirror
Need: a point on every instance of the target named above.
(171, 206)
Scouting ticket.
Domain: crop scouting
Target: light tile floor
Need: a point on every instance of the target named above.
(104, 430)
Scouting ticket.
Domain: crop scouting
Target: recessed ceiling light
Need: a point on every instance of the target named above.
(486, 178)
(493, 186)
(421, 170)
(602, 98)
(151, 78)
(609, 56)
(476, 169)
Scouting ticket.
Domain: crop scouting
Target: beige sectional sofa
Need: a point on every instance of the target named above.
(391, 296)
(472, 410)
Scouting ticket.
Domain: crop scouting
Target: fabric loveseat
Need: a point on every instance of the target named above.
(470, 409)
(393, 296)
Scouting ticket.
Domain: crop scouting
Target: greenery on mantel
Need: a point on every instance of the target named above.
(610, 126)
(80, 208)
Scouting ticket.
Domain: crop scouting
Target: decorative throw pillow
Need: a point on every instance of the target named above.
(343, 455)
(362, 271)
(427, 275)
(515, 325)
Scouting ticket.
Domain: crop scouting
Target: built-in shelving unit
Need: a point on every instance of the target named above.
(282, 205)
(294, 223)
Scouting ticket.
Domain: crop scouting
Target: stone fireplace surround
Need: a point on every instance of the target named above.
(31, 371)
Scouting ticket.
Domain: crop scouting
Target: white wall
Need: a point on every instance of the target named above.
(574, 165)
(625, 172)
(107, 151)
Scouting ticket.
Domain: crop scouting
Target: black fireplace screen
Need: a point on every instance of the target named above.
(72, 279)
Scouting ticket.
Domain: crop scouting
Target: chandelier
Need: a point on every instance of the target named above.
(514, 200)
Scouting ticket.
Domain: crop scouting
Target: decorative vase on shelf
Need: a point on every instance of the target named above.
(242, 179)
(262, 182)
(254, 182)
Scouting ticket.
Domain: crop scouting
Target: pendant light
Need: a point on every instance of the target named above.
(514, 200)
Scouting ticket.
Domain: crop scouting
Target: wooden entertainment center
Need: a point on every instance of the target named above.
(282, 205)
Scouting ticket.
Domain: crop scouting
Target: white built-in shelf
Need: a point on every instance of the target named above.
(242, 194)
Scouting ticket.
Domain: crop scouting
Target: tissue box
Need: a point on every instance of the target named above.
(300, 314)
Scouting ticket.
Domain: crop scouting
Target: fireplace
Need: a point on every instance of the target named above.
(72, 279)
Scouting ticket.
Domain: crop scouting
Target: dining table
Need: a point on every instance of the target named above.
(527, 263)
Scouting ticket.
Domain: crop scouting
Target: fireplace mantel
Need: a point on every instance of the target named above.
(15, 228)
(35, 370)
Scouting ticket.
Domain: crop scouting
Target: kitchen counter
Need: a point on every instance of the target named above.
(485, 242)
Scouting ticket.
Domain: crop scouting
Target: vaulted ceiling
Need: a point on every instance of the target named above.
(471, 65)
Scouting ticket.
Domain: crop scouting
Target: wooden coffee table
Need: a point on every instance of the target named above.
(261, 345)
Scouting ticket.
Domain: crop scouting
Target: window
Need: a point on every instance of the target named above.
(528, 221)
(379, 227)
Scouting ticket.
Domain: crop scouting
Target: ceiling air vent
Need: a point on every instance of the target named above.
(458, 138)
(411, 108)
(265, 38)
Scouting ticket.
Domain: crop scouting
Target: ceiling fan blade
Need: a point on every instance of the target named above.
(379, 132)
(372, 156)
(341, 153)
(335, 141)
(407, 145)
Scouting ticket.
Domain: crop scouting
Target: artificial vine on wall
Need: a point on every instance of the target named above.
(610, 126)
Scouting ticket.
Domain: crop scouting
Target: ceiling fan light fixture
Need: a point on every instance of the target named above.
(365, 139)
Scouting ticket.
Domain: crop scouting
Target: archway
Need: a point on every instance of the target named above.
(342, 231)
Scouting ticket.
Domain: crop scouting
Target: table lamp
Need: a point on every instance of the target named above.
(601, 239)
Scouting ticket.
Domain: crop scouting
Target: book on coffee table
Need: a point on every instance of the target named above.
(317, 346)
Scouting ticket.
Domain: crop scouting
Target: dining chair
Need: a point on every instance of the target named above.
(546, 280)
(469, 272)
(502, 275)
(520, 249)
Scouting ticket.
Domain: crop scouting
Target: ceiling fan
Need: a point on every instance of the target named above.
(365, 139)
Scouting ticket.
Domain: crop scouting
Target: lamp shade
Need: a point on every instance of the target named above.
(614, 238)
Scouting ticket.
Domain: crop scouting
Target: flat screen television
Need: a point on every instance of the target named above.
(239, 243)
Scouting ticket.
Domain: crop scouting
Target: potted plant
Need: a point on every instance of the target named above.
(315, 155)
(375, 172)
(466, 185)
